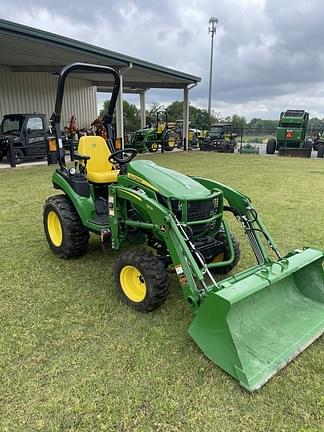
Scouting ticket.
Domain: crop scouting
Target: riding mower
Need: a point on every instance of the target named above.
(251, 323)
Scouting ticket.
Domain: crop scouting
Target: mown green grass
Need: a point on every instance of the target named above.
(74, 358)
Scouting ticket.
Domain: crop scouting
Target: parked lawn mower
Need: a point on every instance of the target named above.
(249, 149)
(291, 135)
(252, 323)
(220, 138)
(152, 138)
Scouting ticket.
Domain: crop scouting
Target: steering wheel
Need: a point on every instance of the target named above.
(123, 156)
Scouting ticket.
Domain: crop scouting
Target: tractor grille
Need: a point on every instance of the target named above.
(199, 210)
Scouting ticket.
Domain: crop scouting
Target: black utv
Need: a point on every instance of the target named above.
(220, 138)
(27, 135)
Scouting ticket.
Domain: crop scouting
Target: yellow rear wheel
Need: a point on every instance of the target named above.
(64, 231)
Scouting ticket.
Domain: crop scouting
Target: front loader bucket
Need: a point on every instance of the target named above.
(258, 322)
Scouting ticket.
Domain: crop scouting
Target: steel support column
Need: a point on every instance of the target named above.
(185, 125)
(120, 114)
(142, 109)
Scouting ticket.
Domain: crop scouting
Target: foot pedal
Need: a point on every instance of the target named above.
(100, 220)
(105, 237)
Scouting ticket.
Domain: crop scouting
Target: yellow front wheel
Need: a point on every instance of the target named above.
(141, 280)
(133, 283)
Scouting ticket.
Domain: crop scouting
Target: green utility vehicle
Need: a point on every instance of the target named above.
(251, 323)
(291, 135)
(152, 138)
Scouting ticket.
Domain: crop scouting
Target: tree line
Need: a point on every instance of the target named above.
(199, 118)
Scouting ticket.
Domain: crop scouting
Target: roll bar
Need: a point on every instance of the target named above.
(55, 119)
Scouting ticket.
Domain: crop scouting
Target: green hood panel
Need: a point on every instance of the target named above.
(167, 182)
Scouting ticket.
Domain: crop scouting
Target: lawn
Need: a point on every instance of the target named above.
(74, 358)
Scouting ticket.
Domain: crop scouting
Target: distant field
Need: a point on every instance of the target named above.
(74, 358)
(259, 139)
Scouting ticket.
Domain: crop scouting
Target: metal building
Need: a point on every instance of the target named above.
(30, 60)
(28, 92)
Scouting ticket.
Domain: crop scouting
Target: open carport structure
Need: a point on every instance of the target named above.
(30, 60)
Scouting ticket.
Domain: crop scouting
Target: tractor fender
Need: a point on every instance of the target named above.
(84, 206)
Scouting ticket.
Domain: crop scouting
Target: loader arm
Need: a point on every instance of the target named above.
(241, 207)
(165, 227)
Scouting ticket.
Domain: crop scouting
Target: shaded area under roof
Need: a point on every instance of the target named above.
(26, 49)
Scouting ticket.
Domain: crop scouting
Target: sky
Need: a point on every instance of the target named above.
(268, 54)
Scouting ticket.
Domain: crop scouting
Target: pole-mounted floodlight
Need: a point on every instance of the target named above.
(211, 29)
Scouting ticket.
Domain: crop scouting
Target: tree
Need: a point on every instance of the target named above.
(197, 117)
(238, 122)
(132, 119)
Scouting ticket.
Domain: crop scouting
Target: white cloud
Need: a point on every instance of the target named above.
(265, 59)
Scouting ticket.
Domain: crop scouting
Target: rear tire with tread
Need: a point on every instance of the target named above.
(320, 151)
(308, 144)
(75, 237)
(154, 275)
(271, 146)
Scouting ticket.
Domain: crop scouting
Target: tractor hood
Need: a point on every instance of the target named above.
(165, 181)
(8, 137)
(144, 130)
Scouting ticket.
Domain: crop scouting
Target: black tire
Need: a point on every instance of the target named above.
(74, 238)
(271, 146)
(18, 155)
(237, 253)
(150, 271)
(1, 156)
(308, 144)
(320, 151)
(153, 147)
(171, 140)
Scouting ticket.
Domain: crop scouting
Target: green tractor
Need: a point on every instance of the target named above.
(291, 135)
(152, 138)
(251, 323)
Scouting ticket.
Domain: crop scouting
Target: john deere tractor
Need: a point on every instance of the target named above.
(251, 323)
(152, 138)
(291, 135)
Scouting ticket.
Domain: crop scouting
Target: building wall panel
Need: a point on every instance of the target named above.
(24, 92)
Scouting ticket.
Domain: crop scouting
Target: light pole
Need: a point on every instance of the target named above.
(211, 29)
